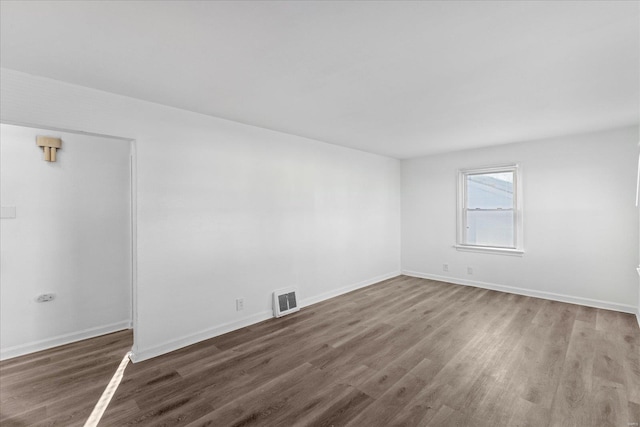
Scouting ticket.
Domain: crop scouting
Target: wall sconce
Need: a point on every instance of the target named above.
(50, 145)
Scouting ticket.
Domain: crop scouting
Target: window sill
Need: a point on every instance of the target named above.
(489, 250)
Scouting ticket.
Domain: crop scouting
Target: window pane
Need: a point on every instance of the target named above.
(490, 191)
(490, 228)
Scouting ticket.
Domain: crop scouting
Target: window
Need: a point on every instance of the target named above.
(489, 210)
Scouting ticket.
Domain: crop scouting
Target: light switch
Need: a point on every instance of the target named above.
(8, 212)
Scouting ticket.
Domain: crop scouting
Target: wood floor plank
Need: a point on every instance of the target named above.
(390, 402)
(527, 414)
(415, 414)
(629, 347)
(403, 352)
(573, 397)
(343, 410)
(262, 405)
(608, 407)
(33, 392)
(379, 383)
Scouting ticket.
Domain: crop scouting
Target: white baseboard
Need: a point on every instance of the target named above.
(139, 355)
(607, 305)
(638, 316)
(32, 347)
(346, 289)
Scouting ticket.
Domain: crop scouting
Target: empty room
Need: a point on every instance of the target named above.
(320, 213)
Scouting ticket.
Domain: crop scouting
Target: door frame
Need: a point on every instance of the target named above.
(133, 210)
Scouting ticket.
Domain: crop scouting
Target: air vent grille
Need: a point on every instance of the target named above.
(285, 301)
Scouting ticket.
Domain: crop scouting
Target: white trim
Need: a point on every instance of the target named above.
(638, 181)
(607, 305)
(22, 349)
(490, 249)
(489, 169)
(346, 289)
(172, 345)
(518, 227)
(190, 339)
(133, 188)
(638, 310)
(59, 129)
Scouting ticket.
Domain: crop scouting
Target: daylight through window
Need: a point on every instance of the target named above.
(489, 216)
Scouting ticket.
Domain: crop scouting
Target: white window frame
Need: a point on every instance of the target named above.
(461, 245)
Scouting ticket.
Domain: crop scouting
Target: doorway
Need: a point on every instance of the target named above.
(67, 244)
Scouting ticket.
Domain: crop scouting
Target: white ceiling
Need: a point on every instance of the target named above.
(396, 78)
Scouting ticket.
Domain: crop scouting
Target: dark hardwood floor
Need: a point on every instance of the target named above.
(404, 352)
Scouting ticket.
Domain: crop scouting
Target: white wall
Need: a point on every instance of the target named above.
(70, 236)
(579, 219)
(227, 210)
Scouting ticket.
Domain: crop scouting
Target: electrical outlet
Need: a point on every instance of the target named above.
(445, 267)
(239, 304)
(469, 270)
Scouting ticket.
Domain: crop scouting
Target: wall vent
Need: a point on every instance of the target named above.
(285, 301)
